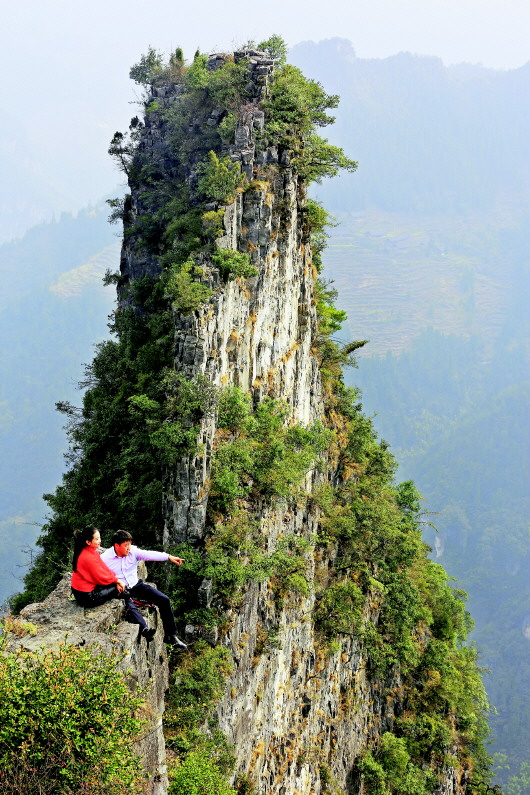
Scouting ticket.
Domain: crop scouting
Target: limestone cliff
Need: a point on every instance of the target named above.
(338, 644)
(288, 711)
(297, 714)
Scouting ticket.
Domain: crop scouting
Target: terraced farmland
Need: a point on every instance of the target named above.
(397, 276)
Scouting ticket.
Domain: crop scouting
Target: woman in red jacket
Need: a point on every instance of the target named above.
(92, 581)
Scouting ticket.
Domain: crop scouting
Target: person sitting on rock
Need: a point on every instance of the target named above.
(122, 557)
(93, 583)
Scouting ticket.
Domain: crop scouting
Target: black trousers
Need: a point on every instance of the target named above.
(100, 595)
(149, 594)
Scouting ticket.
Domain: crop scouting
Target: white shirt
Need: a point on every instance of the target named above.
(127, 567)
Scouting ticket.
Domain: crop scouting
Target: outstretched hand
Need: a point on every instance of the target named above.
(174, 559)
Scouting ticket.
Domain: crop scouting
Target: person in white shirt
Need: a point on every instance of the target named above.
(122, 558)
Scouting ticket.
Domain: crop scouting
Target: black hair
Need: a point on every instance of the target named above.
(80, 539)
(120, 536)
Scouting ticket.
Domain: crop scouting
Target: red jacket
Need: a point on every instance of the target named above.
(91, 571)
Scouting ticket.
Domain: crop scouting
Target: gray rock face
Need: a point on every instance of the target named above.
(291, 708)
(60, 620)
(256, 333)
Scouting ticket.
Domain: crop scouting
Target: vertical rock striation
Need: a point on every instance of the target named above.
(297, 715)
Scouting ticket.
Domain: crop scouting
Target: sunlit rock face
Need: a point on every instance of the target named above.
(296, 714)
(255, 333)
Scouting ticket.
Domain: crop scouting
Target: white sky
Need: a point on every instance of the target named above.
(64, 63)
(493, 32)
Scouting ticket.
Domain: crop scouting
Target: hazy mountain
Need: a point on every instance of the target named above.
(428, 138)
(432, 263)
(53, 309)
(29, 193)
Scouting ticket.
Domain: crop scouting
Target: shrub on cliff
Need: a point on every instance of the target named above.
(219, 178)
(199, 775)
(67, 723)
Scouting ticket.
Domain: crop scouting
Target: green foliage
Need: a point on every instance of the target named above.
(199, 683)
(373, 774)
(117, 207)
(233, 408)
(182, 231)
(176, 60)
(227, 86)
(236, 555)
(398, 765)
(173, 440)
(339, 609)
(197, 76)
(392, 772)
(147, 68)
(294, 108)
(319, 159)
(316, 220)
(187, 401)
(427, 734)
(198, 775)
(266, 455)
(332, 356)
(186, 294)
(276, 48)
(234, 263)
(227, 127)
(374, 529)
(330, 319)
(111, 277)
(202, 760)
(395, 760)
(58, 709)
(219, 178)
(152, 107)
(123, 148)
(262, 456)
(224, 87)
(212, 223)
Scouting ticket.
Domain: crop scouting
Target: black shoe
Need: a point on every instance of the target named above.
(173, 640)
(148, 634)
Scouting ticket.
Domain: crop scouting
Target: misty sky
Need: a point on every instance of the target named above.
(64, 64)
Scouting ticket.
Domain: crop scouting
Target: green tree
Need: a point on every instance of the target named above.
(276, 48)
(148, 67)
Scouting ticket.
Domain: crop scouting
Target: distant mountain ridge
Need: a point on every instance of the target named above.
(428, 138)
(53, 308)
